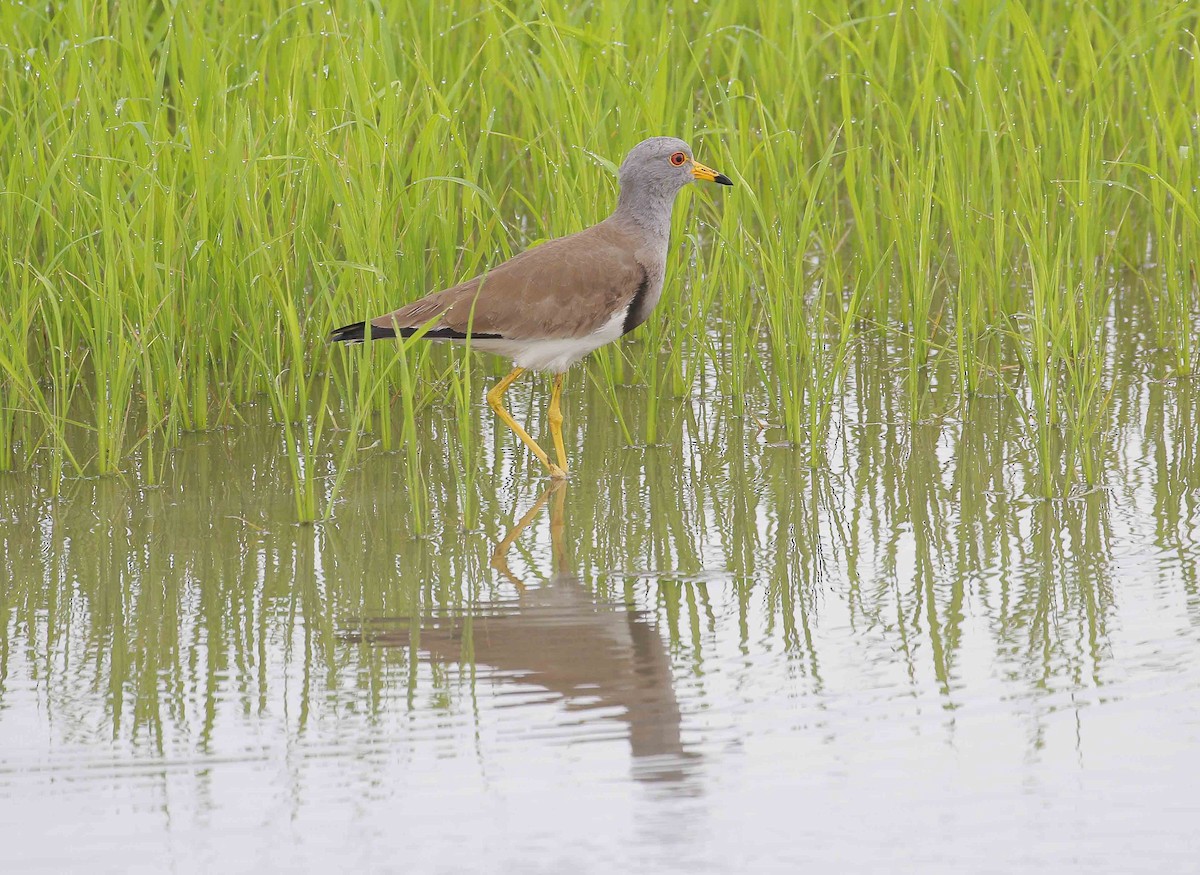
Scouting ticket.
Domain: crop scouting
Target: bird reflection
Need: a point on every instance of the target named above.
(597, 654)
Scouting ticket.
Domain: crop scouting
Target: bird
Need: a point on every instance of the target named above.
(550, 306)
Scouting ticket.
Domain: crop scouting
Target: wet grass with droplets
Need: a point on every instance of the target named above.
(192, 197)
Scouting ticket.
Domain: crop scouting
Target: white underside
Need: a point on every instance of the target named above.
(553, 355)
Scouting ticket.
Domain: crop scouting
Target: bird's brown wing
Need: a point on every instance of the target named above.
(568, 287)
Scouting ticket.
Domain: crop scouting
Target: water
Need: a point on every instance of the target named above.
(697, 656)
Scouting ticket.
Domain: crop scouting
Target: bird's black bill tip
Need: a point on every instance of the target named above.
(722, 179)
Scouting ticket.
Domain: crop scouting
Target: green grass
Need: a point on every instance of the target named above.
(192, 197)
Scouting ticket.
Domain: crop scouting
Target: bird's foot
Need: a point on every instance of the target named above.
(556, 472)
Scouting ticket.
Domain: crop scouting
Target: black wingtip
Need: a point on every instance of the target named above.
(355, 332)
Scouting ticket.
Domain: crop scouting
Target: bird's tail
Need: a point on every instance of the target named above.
(355, 332)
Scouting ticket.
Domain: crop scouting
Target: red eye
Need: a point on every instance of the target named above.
(678, 158)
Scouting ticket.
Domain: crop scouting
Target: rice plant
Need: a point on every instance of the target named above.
(193, 196)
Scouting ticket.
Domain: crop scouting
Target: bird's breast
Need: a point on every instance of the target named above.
(645, 297)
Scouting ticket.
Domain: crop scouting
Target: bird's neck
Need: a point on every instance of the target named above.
(647, 207)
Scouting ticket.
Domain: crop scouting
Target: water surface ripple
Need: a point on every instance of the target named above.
(700, 655)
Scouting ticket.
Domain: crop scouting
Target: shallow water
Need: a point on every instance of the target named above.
(696, 656)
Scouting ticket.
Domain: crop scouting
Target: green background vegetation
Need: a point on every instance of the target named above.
(193, 195)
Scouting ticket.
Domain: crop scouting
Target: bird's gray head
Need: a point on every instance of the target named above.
(664, 165)
(651, 175)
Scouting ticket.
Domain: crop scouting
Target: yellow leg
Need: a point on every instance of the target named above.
(556, 421)
(495, 399)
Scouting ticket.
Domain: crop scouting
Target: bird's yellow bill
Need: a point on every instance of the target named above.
(701, 171)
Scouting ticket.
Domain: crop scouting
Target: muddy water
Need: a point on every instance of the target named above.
(697, 656)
